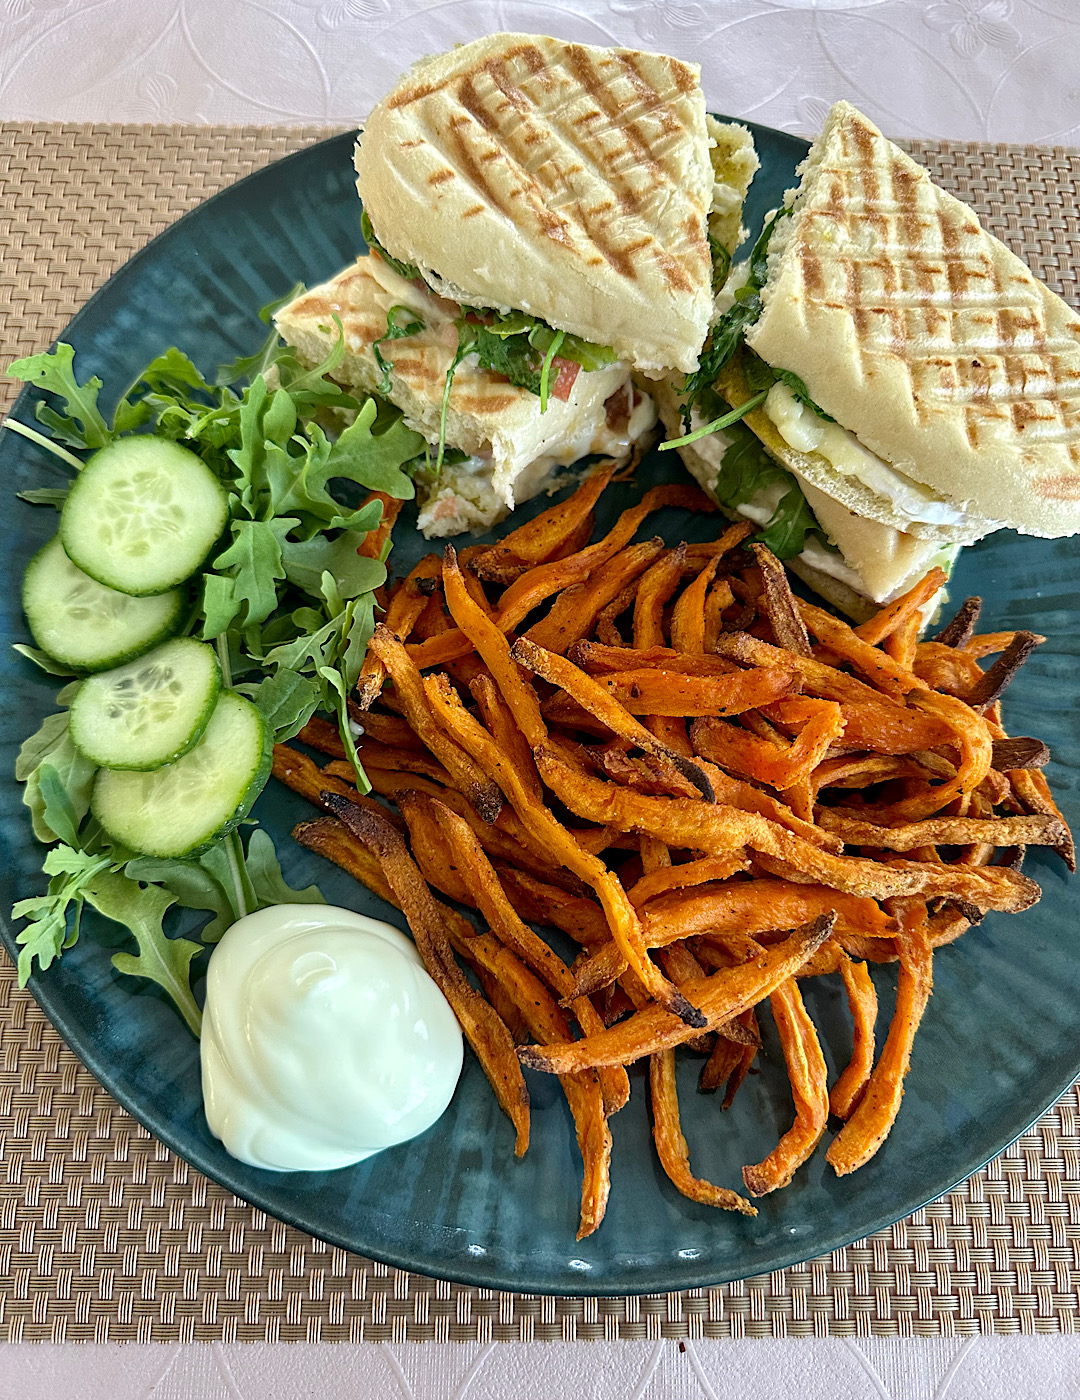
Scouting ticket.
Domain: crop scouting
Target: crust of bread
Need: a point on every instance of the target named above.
(924, 335)
(865, 545)
(735, 163)
(572, 182)
(487, 416)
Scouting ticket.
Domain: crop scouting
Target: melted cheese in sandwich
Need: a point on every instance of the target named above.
(802, 429)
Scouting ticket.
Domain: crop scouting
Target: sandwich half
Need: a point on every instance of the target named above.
(569, 183)
(541, 218)
(503, 442)
(916, 383)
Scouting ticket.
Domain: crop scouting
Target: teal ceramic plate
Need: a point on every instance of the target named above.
(998, 1042)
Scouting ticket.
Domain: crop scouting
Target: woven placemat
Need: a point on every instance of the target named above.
(106, 1236)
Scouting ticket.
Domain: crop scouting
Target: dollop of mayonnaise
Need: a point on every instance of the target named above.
(324, 1040)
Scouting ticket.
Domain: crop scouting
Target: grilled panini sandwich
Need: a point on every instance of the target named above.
(542, 216)
(508, 444)
(919, 384)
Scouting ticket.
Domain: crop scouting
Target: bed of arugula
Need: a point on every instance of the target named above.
(286, 599)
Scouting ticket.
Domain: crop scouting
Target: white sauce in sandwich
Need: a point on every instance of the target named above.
(324, 1039)
(802, 429)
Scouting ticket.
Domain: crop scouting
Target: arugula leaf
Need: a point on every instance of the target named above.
(42, 659)
(467, 342)
(80, 424)
(372, 460)
(46, 934)
(760, 375)
(790, 523)
(46, 496)
(747, 471)
(161, 959)
(195, 886)
(266, 877)
(403, 269)
(166, 379)
(395, 330)
(306, 562)
(244, 586)
(286, 701)
(58, 780)
(727, 333)
(246, 367)
(721, 263)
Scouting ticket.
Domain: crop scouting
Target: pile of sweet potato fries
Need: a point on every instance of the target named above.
(714, 788)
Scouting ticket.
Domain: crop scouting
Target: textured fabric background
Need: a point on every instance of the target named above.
(103, 1234)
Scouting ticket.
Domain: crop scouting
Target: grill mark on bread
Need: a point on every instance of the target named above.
(439, 177)
(511, 139)
(937, 305)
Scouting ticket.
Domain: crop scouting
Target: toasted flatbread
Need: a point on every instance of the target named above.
(571, 182)
(512, 445)
(924, 335)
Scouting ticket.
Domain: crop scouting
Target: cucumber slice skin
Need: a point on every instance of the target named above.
(86, 625)
(139, 810)
(114, 529)
(106, 713)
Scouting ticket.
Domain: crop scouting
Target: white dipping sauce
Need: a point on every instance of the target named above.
(324, 1040)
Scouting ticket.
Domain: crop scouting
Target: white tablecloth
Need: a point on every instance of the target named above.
(999, 70)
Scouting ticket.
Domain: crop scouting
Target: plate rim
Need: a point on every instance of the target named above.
(663, 1279)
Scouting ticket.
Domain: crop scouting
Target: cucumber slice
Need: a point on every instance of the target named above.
(149, 712)
(142, 515)
(184, 807)
(85, 625)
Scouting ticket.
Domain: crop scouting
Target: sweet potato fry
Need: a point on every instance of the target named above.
(304, 776)
(788, 628)
(574, 612)
(817, 677)
(885, 622)
(958, 632)
(547, 579)
(671, 1145)
(869, 1125)
(809, 1088)
(1033, 793)
(334, 842)
(735, 907)
(648, 691)
(392, 730)
(482, 1027)
(605, 626)
(729, 1062)
(374, 542)
(719, 830)
(936, 831)
(487, 893)
(408, 602)
(546, 1022)
(1000, 675)
(599, 660)
(377, 755)
(655, 589)
(723, 995)
(624, 923)
(990, 642)
(862, 1003)
(688, 615)
(541, 903)
(494, 648)
(868, 660)
(675, 877)
(408, 686)
(1019, 753)
(437, 864)
(595, 696)
(539, 538)
(734, 749)
(891, 729)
